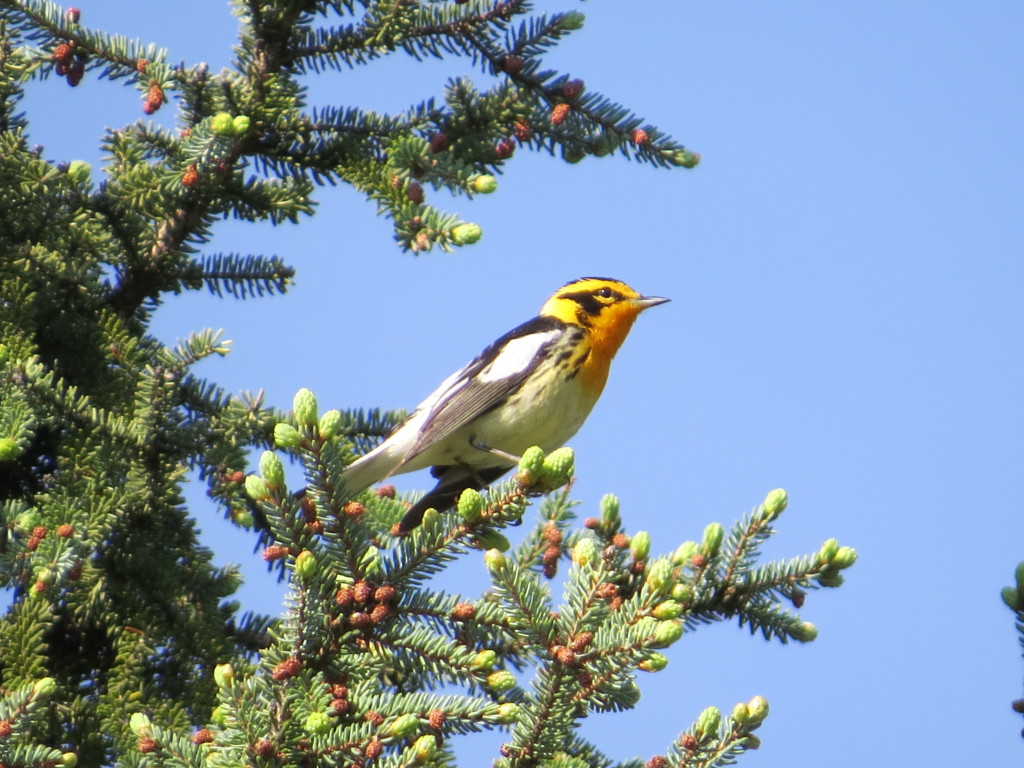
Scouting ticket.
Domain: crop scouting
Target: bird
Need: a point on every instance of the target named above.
(535, 385)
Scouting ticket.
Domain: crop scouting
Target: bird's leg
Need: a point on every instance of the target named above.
(511, 457)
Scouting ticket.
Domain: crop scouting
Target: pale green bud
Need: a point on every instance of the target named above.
(610, 509)
(845, 557)
(466, 234)
(758, 707)
(640, 545)
(682, 592)
(683, 158)
(1018, 576)
(140, 724)
(501, 681)
(240, 125)
(330, 424)
(493, 540)
(403, 726)
(828, 550)
(530, 465)
(26, 521)
(655, 662)
(286, 436)
(218, 716)
(484, 660)
(371, 561)
(241, 516)
(69, 760)
(669, 609)
(470, 505)
(79, 171)
(305, 407)
(44, 687)
(740, 714)
(9, 449)
(712, 540)
(508, 712)
(558, 467)
(424, 748)
(495, 561)
(584, 552)
(1012, 598)
(659, 576)
(223, 675)
(221, 124)
(708, 721)
(484, 184)
(317, 723)
(430, 517)
(806, 632)
(271, 469)
(305, 565)
(774, 503)
(572, 20)
(685, 553)
(667, 633)
(750, 741)
(256, 488)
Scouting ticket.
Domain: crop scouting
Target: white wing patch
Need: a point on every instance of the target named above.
(516, 356)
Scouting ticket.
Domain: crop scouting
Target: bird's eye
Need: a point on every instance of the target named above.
(605, 293)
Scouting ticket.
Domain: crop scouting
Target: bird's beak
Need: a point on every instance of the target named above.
(644, 302)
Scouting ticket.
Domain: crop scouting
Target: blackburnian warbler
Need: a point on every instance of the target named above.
(535, 385)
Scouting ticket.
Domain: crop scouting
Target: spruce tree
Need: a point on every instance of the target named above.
(120, 644)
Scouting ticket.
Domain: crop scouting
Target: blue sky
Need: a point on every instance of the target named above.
(845, 268)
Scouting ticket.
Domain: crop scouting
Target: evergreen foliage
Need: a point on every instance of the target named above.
(120, 644)
(1014, 599)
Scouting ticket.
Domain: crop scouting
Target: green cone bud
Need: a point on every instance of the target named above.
(9, 449)
(683, 158)
(682, 592)
(712, 540)
(1018, 576)
(218, 716)
(669, 609)
(740, 714)
(286, 436)
(466, 234)
(305, 407)
(659, 576)
(256, 488)
(221, 124)
(79, 171)
(330, 424)
(750, 741)
(667, 633)
(640, 545)
(272, 470)
(831, 579)
(758, 708)
(403, 727)
(501, 681)
(424, 748)
(430, 517)
(495, 561)
(305, 565)
(1012, 598)
(223, 675)
(484, 184)
(806, 632)
(470, 505)
(828, 550)
(44, 687)
(845, 557)
(140, 725)
(508, 713)
(240, 125)
(493, 540)
(69, 760)
(584, 553)
(685, 553)
(317, 723)
(708, 721)
(558, 467)
(610, 510)
(530, 465)
(484, 660)
(774, 503)
(572, 20)
(655, 662)
(243, 517)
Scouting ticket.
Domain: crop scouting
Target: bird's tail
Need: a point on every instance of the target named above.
(451, 483)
